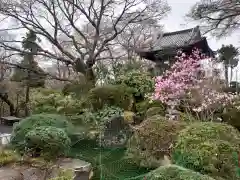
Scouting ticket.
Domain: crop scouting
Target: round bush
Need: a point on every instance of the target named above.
(231, 116)
(151, 140)
(55, 102)
(142, 107)
(155, 111)
(23, 127)
(111, 95)
(50, 142)
(174, 172)
(141, 83)
(208, 148)
(79, 89)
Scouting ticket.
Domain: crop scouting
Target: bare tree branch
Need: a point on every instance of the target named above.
(220, 17)
(87, 26)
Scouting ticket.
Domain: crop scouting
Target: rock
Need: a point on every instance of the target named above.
(82, 169)
(32, 173)
(115, 133)
(4, 139)
(173, 114)
(10, 174)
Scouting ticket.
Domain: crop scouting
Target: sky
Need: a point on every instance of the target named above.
(176, 21)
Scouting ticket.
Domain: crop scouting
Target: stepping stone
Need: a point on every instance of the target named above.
(10, 174)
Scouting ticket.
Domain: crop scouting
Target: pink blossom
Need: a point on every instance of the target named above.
(185, 76)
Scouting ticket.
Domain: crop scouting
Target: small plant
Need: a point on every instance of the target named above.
(8, 156)
(48, 142)
(64, 175)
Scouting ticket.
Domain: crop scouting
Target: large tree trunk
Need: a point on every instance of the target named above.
(231, 74)
(27, 100)
(226, 74)
(4, 98)
(89, 71)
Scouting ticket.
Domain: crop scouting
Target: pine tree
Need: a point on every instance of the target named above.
(228, 56)
(28, 72)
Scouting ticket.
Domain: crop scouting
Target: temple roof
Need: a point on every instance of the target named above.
(177, 38)
(169, 43)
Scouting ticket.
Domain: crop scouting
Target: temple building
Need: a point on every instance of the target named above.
(165, 47)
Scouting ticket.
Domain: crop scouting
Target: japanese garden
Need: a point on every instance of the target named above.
(99, 90)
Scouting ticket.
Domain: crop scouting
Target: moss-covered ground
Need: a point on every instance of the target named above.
(108, 164)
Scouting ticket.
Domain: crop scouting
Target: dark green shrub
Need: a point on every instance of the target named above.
(8, 156)
(55, 102)
(107, 113)
(111, 95)
(174, 172)
(155, 111)
(143, 106)
(94, 122)
(231, 116)
(78, 89)
(208, 148)
(141, 83)
(23, 127)
(151, 140)
(50, 142)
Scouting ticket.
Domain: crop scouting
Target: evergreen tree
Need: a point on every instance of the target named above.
(228, 56)
(28, 72)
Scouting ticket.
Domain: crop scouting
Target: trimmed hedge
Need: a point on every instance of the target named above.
(208, 148)
(151, 140)
(23, 127)
(50, 142)
(141, 82)
(111, 95)
(155, 111)
(231, 116)
(144, 106)
(174, 172)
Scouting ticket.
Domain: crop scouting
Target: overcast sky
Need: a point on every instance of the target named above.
(176, 21)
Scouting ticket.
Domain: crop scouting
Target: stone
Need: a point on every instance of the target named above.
(82, 169)
(5, 139)
(32, 173)
(115, 133)
(10, 174)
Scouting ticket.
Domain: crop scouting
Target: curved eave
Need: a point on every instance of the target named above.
(159, 55)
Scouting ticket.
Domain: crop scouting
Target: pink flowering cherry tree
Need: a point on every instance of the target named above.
(186, 81)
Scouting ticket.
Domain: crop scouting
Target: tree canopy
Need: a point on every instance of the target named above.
(228, 55)
(221, 17)
(80, 32)
(29, 73)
